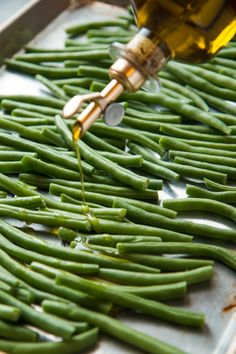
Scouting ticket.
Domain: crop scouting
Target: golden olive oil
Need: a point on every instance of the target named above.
(193, 30)
(76, 133)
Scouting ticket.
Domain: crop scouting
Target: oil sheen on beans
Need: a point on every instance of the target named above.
(192, 30)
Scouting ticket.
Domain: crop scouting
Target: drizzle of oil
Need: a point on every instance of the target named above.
(76, 133)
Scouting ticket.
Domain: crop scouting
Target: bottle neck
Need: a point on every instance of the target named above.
(139, 60)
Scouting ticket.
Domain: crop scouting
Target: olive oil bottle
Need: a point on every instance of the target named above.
(191, 30)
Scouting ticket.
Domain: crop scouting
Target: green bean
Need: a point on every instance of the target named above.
(49, 323)
(211, 145)
(29, 49)
(81, 82)
(219, 69)
(170, 143)
(52, 87)
(22, 130)
(159, 171)
(227, 161)
(146, 153)
(130, 134)
(218, 187)
(12, 167)
(217, 102)
(112, 240)
(93, 260)
(139, 124)
(27, 113)
(216, 78)
(91, 71)
(199, 146)
(174, 94)
(123, 160)
(159, 117)
(180, 133)
(202, 204)
(5, 287)
(163, 74)
(26, 202)
(25, 295)
(196, 99)
(17, 333)
(230, 171)
(138, 215)
(92, 55)
(193, 276)
(66, 234)
(53, 137)
(9, 105)
(223, 196)
(218, 253)
(103, 33)
(224, 62)
(15, 188)
(49, 169)
(112, 327)
(82, 45)
(28, 121)
(75, 30)
(44, 183)
(227, 53)
(100, 144)
(156, 184)
(155, 292)
(48, 71)
(142, 107)
(9, 313)
(76, 63)
(71, 346)
(110, 40)
(167, 264)
(173, 104)
(3, 195)
(8, 279)
(65, 133)
(35, 100)
(194, 79)
(193, 171)
(113, 227)
(132, 301)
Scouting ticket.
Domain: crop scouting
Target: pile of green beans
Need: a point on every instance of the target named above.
(123, 238)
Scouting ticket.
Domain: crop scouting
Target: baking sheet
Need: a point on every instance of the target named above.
(210, 297)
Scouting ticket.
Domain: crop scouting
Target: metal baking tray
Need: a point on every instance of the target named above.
(219, 334)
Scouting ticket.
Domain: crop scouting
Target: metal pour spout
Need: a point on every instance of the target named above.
(124, 76)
